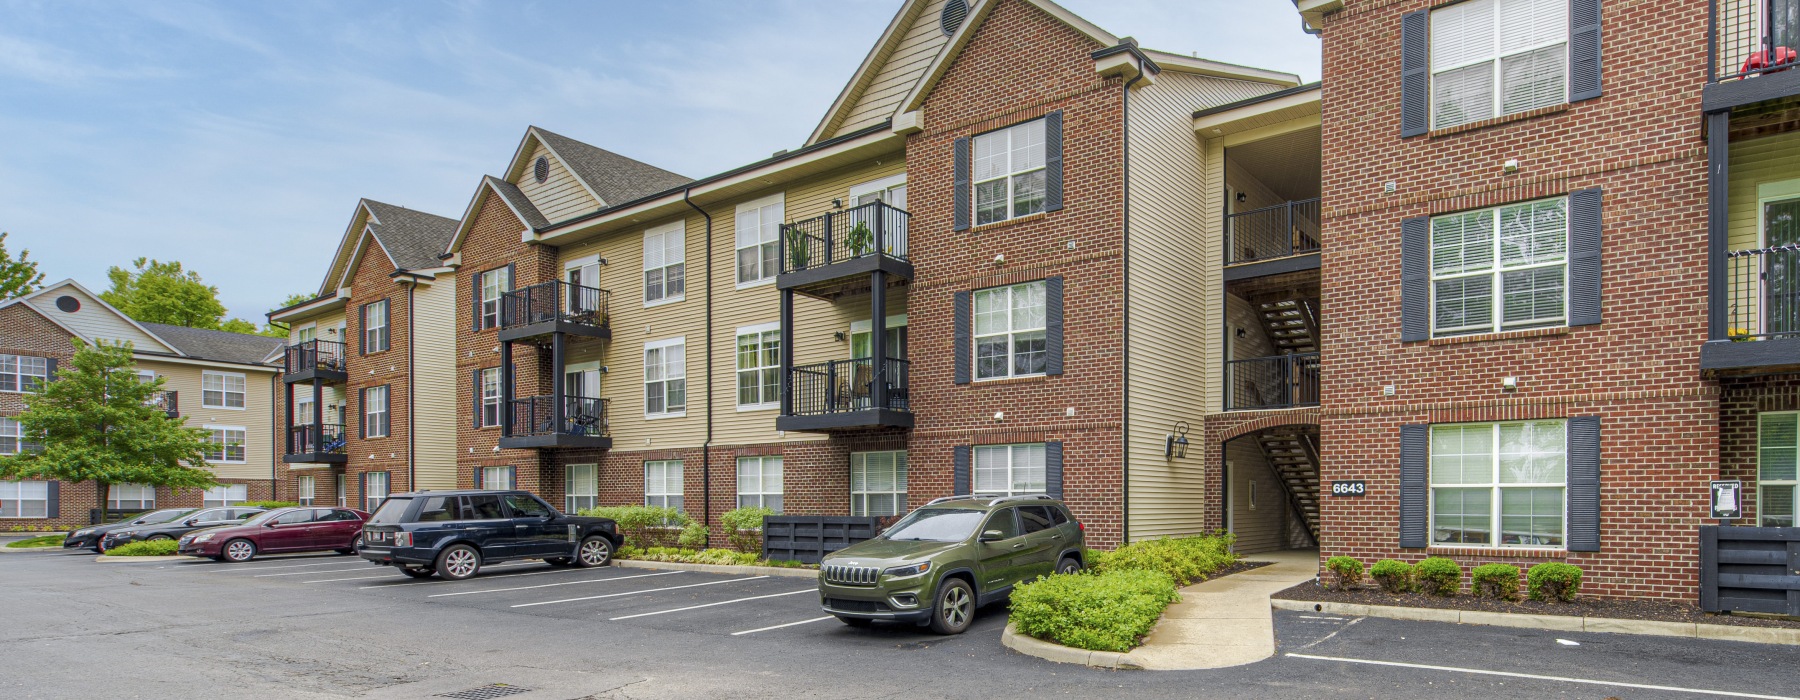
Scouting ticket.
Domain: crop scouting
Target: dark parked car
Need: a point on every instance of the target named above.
(90, 537)
(174, 529)
(302, 529)
(453, 533)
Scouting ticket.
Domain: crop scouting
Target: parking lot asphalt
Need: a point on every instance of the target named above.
(337, 627)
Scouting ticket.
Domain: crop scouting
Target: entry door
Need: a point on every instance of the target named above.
(584, 283)
(581, 390)
(1781, 271)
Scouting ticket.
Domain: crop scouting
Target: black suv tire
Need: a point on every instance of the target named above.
(594, 551)
(458, 562)
(1068, 565)
(955, 607)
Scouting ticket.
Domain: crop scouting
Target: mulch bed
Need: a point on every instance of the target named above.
(1621, 608)
(1238, 568)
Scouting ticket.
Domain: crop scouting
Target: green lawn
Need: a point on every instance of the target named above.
(45, 541)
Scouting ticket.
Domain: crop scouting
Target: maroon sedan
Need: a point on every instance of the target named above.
(280, 530)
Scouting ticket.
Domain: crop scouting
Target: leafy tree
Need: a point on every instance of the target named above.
(98, 422)
(280, 330)
(17, 277)
(163, 292)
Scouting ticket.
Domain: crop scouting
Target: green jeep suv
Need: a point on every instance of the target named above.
(941, 562)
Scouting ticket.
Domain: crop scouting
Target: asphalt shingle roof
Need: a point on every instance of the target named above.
(217, 345)
(519, 202)
(614, 177)
(413, 238)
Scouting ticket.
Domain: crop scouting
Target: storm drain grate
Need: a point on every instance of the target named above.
(486, 692)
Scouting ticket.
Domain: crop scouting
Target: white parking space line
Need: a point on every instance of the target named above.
(390, 574)
(310, 573)
(483, 578)
(708, 605)
(233, 569)
(1561, 679)
(653, 590)
(549, 585)
(776, 627)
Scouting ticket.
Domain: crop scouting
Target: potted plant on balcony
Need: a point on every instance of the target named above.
(799, 247)
(860, 240)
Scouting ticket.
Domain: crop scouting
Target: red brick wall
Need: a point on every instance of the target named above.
(392, 454)
(1740, 401)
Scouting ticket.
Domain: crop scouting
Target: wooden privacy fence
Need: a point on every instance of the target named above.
(808, 538)
(1750, 569)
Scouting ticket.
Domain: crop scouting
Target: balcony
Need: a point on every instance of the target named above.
(316, 443)
(310, 360)
(1264, 383)
(554, 307)
(1762, 329)
(1272, 240)
(536, 422)
(1752, 45)
(832, 255)
(846, 394)
(168, 401)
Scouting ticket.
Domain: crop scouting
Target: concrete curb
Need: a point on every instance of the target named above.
(31, 550)
(1560, 623)
(1048, 651)
(115, 560)
(718, 568)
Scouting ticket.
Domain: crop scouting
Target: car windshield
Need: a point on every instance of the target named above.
(936, 525)
(391, 511)
(162, 516)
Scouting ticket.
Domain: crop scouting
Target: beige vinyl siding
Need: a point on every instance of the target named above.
(94, 320)
(1258, 529)
(1756, 162)
(333, 319)
(434, 383)
(561, 195)
(257, 417)
(1175, 259)
(899, 71)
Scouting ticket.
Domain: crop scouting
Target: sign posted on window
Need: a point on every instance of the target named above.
(1726, 501)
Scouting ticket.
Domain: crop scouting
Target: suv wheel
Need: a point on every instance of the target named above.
(955, 607)
(458, 562)
(1068, 566)
(239, 551)
(595, 551)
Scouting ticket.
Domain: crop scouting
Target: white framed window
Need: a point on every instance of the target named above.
(1009, 331)
(665, 264)
(343, 492)
(1499, 484)
(305, 488)
(1491, 58)
(225, 495)
(14, 440)
(758, 228)
(24, 499)
(665, 378)
(226, 444)
(759, 482)
(1009, 469)
(375, 490)
(878, 483)
(490, 397)
(581, 487)
(496, 477)
(891, 189)
(494, 283)
(307, 332)
(759, 367)
(1009, 176)
(862, 338)
(1504, 268)
(1777, 447)
(375, 336)
(376, 416)
(22, 373)
(222, 390)
(130, 497)
(663, 484)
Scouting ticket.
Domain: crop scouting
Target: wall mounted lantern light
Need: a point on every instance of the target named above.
(1177, 443)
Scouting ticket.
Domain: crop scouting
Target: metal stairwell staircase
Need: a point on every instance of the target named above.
(1290, 324)
(1294, 456)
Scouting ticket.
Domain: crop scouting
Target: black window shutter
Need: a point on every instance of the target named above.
(49, 369)
(1584, 257)
(362, 486)
(960, 194)
(1415, 279)
(965, 337)
(1053, 161)
(475, 383)
(1414, 466)
(1584, 50)
(512, 476)
(362, 404)
(960, 479)
(1584, 484)
(362, 325)
(1053, 325)
(55, 499)
(1415, 73)
(512, 282)
(1053, 469)
(478, 477)
(475, 300)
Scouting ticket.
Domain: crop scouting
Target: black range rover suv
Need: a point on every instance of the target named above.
(453, 533)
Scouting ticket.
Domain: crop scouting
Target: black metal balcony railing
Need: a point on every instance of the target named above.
(556, 301)
(1764, 292)
(1752, 37)
(1289, 228)
(582, 416)
(168, 401)
(846, 385)
(841, 236)
(1282, 381)
(315, 355)
(326, 438)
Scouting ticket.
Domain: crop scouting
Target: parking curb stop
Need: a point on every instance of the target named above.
(1559, 623)
(1050, 651)
(718, 568)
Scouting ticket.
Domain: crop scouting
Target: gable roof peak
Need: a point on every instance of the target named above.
(611, 178)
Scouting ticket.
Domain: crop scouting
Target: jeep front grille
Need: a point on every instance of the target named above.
(851, 575)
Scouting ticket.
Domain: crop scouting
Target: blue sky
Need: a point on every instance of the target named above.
(236, 137)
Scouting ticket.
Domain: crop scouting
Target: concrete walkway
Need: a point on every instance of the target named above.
(1226, 621)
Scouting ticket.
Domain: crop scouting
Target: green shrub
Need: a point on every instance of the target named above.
(720, 556)
(694, 536)
(1553, 581)
(1499, 581)
(1348, 571)
(33, 542)
(1438, 576)
(1394, 576)
(1102, 611)
(146, 548)
(1184, 559)
(645, 526)
(271, 505)
(743, 528)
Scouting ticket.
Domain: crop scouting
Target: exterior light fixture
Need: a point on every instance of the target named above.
(1177, 443)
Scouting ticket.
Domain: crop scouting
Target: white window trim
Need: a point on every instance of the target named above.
(294, 336)
(19, 379)
(975, 339)
(481, 287)
(111, 500)
(1761, 483)
(18, 501)
(569, 493)
(680, 226)
(499, 397)
(758, 203)
(1011, 466)
(226, 500)
(387, 411)
(873, 186)
(306, 489)
(387, 489)
(224, 394)
(19, 437)
(386, 325)
(245, 447)
(1495, 273)
(741, 332)
(900, 466)
(1494, 488)
(681, 485)
(1008, 176)
(665, 344)
(762, 469)
(1496, 57)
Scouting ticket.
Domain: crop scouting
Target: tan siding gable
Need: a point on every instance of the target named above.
(434, 383)
(559, 196)
(900, 69)
(256, 418)
(94, 320)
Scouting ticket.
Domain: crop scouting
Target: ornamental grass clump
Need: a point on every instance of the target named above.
(1438, 576)
(1497, 581)
(1346, 571)
(1099, 611)
(1393, 576)
(1553, 581)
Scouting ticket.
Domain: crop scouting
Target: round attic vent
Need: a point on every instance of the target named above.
(541, 169)
(955, 11)
(68, 304)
